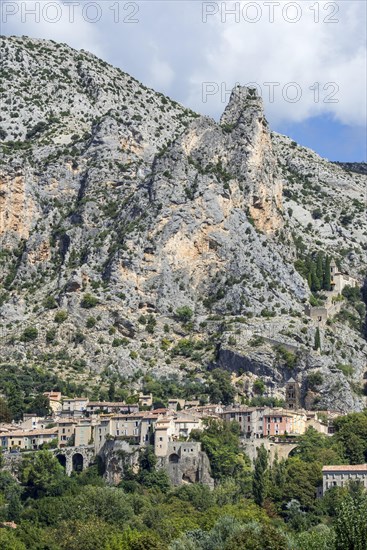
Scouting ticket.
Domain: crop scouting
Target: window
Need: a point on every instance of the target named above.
(161, 439)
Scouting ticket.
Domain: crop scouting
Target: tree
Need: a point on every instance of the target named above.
(259, 484)
(29, 334)
(60, 316)
(40, 405)
(317, 343)
(221, 441)
(314, 379)
(9, 541)
(5, 413)
(49, 303)
(15, 401)
(320, 268)
(351, 433)
(327, 275)
(351, 524)
(315, 281)
(319, 538)
(14, 508)
(220, 387)
(184, 314)
(42, 474)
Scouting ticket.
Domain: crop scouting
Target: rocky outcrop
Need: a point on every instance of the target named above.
(184, 463)
(118, 206)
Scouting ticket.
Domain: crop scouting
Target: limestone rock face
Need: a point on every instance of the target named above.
(118, 206)
(253, 154)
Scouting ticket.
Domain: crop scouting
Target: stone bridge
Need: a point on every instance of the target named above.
(75, 459)
(275, 450)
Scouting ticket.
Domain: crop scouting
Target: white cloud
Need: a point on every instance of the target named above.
(171, 49)
(161, 74)
(54, 20)
(305, 52)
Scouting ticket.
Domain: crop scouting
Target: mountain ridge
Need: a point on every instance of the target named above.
(124, 206)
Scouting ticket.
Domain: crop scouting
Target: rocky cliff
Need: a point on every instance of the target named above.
(118, 206)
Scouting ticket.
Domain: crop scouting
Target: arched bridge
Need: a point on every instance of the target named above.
(75, 459)
(276, 450)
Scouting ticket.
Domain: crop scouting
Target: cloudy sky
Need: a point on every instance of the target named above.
(307, 58)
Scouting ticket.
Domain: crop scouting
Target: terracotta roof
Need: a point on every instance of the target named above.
(65, 399)
(110, 404)
(346, 468)
(31, 433)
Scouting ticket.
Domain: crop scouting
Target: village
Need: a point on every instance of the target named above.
(78, 424)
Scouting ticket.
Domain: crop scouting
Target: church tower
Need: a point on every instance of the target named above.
(292, 394)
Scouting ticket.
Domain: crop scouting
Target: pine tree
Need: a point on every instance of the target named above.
(317, 339)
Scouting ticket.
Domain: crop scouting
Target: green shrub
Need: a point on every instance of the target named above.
(259, 386)
(91, 321)
(184, 314)
(49, 303)
(29, 334)
(61, 316)
(347, 370)
(314, 379)
(50, 335)
(88, 301)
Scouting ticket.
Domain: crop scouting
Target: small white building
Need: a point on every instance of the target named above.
(341, 475)
(340, 280)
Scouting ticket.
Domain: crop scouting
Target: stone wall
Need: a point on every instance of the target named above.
(185, 462)
(275, 450)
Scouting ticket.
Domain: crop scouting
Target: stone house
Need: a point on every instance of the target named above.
(250, 419)
(175, 404)
(338, 282)
(341, 475)
(164, 432)
(66, 430)
(110, 407)
(54, 398)
(85, 432)
(145, 400)
(184, 424)
(75, 406)
(283, 422)
(30, 440)
(258, 422)
(32, 422)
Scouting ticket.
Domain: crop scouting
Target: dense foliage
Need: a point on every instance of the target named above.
(270, 508)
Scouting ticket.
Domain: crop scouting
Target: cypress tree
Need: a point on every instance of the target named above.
(309, 280)
(327, 275)
(260, 477)
(315, 281)
(317, 339)
(320, 266)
